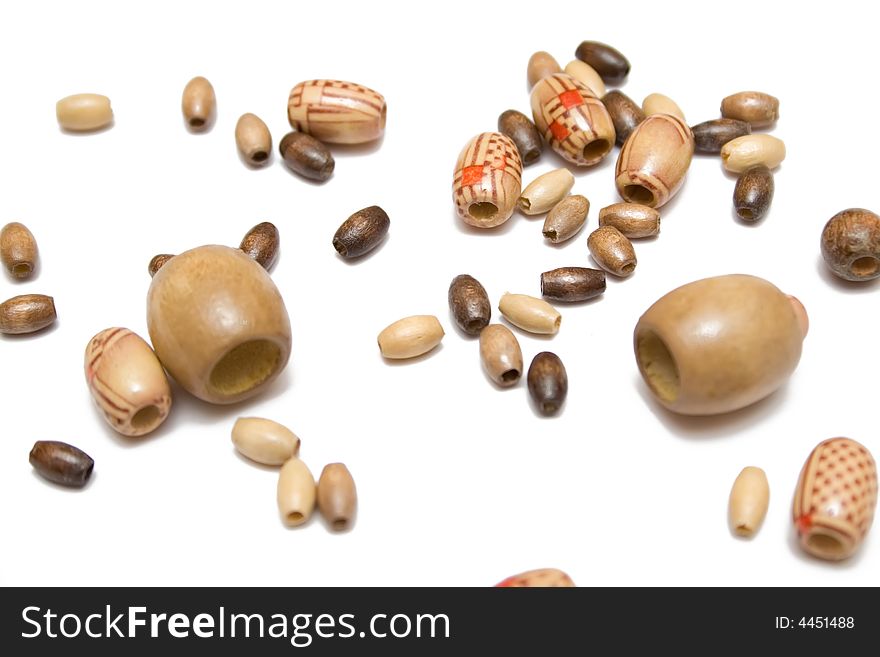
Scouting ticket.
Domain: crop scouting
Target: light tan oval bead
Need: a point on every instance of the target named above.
(585, 73)
(296, 492)
(253, 139)
(487, 180)
(749, 499)
(543, 577)
(748, 151)
(545, 191)
(501, 355)
(83, 112)
(410, 337)
(127, 381)
(337, 112)
(566, 218)
(541, 64)
(659, 104)
(264, 441)
(337, 496)
(199, 104)
(18, 250)
(530, 313)
(612, 251)
(632, 219)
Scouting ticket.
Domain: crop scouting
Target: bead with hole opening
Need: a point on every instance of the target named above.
(851, 244)
(199, 104)
(566, 218)
(612, 251)
(361, 232)
(753, 193)
(487, 180)
(748, 502)
(296, 492)
(18, 250)
(253, 139)
(501, 355)
(545, 191)
(469, 304)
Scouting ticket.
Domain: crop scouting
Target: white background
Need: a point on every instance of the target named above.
(459, 483)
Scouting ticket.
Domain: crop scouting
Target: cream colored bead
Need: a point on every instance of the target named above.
(530, 313)
(199, 104)
(253, 139)
(587, 74)
(749, 499)
(84, 112)
(545, 191)
(660, 104)
(264, 441)
(296, 492)
(410, 337)
(751, 150)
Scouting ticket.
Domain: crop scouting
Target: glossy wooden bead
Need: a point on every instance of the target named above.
(18, 250)
(26, 313)
(261, 243)
(710, 136)
(543, 578)
(337, 112)
(632, 219)
(749, 499)
(296, 492)
(749, 151)
(307, 156)
(264, 441)
(607, 61)
(84, 112)
(501, 355)
(218, 324)
(548, 382)
(541, 64)
(61, 463)
(337, 496)
(253, 139)
(410, 337)
(157, 262)
(520, 129)
(758, 109)
(851, 244)
(654, 160)
(586, 74)
(835, 499)
(469, 304)
(487, 180)
(573, 121)
(566, 218)
(545, 191)
(199, 104)
(612, 251)
(719, 344)
(127, 382)
(660, 104)
(572, 283)
(361, 232)
(753, 193)
(625, 114)
(530, 313)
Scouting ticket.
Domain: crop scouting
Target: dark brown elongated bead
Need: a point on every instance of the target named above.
(157, 262)
(572, 283)
(753, 193)
(548, 382)
(469, 304)
(710, 136)
(851, 244)
(361, 232)
(523, 133)
(261, 244)
(625, 114)
(26, 313)
(307, 156)
(62, 463)
(608, 62)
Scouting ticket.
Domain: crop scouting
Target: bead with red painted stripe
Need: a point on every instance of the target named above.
(337, 112)
(487, 180)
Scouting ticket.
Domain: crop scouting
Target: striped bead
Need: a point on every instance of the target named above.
(337, 112)
(487, 180)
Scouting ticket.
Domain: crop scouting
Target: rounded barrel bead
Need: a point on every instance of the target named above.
(337, 112)
(487, 180)
(851, 244)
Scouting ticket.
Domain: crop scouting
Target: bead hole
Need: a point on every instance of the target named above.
(245, 367)
(865, 266)
(510, 376)
(826, 545)
(531, 156)
(638, 194)
(260, 156)
(145, 418)
(745, 213)
(196, 122)
(658, 366)
(21, 269)
(484, 210)
(294, 517)
(474, 325)
(339, 524)
(550, 235)
(628, 268)
(596, 149)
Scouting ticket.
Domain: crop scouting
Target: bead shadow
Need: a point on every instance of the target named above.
(516, 330)
(356, 150)
(843, 285)
(87, 133)
(404, 362)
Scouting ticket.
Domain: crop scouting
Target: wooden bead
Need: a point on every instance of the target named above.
(361, 232)
(566, 218)
(573, 121)
(654, 160)
(410, 337)
(718, 344)
(127, 382)
(261, 243)
(157, 261)
(851, 244)
(84, 112)
(835, 499)
(758, 109)
(218, 324)
(586, 74)
(501, 355)
(608, 62)
(753, 193)
(487, 180)
(625, 114)
(337, 496)
(545, 191)
(296, 492)
(541, 64)
(749, 499)
(530, 313)
(469, 304)
(337, 112)
(548, 382)
(572, 283)
(541, 578)
(61, 463)
(710, 136)
(199, 104)
(520, 129)
(264, 441)
(632, 219)
(253, 139)
(659, 104)
(749, 151)
(612, 251)
(307, 156)
(26, 313)
(18, 250)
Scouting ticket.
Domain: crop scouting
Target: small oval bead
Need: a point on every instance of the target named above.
(337, 112)
(296, 492)
(748, 502)
(612, 251)
(520, 129)
(530, 313)
(307, 156)
(487, 180)
(264, 441)
(541, 578)
(748, 151)
(541, 64)
(61, 463)
(253, 139)
(26, 313)
(753, 193)
(157, 261)
(261, 243)
(566, 218)
(469, 304)
(361, 232)
(572, 283)
(659, 104)
(501, 355)
(84, 112)
(587, 75)
(632, 219)
(851, 244)
(548, 382)
(410, 337)
(710, 136)
(337, 496)
(18, 250)
(199, 104)
(545, 191)
(625, 114)
(608, 62)
(758, 109)
(127, 381)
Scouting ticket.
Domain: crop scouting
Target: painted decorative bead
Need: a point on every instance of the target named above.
(835, 499)
(851, 244)
(487, 180)
(544, 577)
(337, 112)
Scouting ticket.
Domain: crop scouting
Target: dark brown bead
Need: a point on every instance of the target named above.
(261, 244)
(361, 232)
(625, 114)
(608, 62)
(572, 283)
(26, 313)
(548, 382)
(469, 304)
(753, 193)
(523, 133)
(851, 244)
(62, 463)
(157, 262)
(307, 156)
(710, 136)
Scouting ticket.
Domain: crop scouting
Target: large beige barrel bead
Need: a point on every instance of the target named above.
(264, 441)
(749, 151)
(84, 112)
(337, 112)
(487, 180)
(296, 492)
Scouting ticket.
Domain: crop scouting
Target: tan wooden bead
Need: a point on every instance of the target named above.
(26, 313)
(631, 219)
(659, 104)
(749, 499)
(337, 496)
(264, 441)
(487, 180)
(543, 577)
(199, 104)
(545, 191)
(566, 218)
(18, 250)
(541, 64)
(586, 74)
(296, 492)
(410, 337)
(612, 251)
(337, 112)
(253, 139)
(758, 109)
(530, 313)
(84, 112)
(745, 152)
(501, 355)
